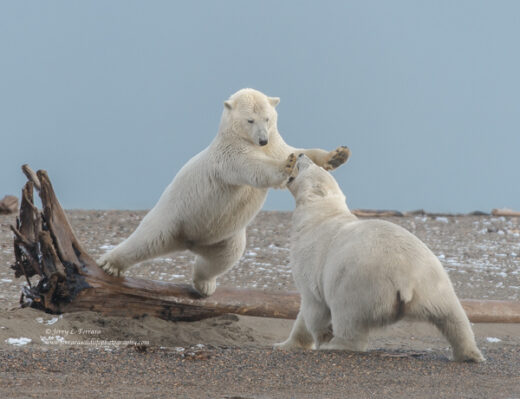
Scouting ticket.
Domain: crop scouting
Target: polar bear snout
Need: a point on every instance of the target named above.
(303, 162)
(260, 136)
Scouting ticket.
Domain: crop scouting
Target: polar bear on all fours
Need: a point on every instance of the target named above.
(212, 199)
(354, 275)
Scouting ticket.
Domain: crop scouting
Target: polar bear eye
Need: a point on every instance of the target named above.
(267, 119)
(250, 120)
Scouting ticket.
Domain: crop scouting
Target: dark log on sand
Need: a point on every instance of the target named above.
(70, 280)
(8, 204)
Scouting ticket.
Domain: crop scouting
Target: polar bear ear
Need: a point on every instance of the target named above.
(274, 101)
(228, 104)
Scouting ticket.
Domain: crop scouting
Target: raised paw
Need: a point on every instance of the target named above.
(337, 158)
(289, 164)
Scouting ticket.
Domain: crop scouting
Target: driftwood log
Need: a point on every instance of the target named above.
(69, 279)
(375, 213)
(505, 212)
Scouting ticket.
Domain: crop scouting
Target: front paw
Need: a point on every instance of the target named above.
(289, 164)
(205, 287)
(291, 344)
(337, 158)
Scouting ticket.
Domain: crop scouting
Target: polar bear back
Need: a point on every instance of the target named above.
(371, 257)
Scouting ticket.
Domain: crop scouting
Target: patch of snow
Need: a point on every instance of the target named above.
(18, 341)
(52, 339)
(262, 264)
(48, 322)
(493, 339)
(442, 219)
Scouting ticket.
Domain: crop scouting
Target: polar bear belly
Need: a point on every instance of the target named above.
(227, 211)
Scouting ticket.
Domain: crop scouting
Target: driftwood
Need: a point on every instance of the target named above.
(504, 212)
(421, 212)
(375, 213)
(8, 204)
(69, 279)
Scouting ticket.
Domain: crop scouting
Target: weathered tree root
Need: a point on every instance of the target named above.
(70, 280)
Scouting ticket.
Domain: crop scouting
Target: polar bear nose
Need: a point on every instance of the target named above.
(262, 142)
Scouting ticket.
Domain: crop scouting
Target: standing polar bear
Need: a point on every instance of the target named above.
(354, 275)
(208, 205)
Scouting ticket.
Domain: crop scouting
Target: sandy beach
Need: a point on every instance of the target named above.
(73, 355)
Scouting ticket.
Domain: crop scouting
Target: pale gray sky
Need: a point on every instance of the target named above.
(113, 97)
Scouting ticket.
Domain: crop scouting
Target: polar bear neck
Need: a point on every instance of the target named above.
(312, 213)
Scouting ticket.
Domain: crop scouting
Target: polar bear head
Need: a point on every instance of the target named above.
(252, 115)
(311, 183)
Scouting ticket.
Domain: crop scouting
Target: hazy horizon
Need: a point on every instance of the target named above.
(112, 98)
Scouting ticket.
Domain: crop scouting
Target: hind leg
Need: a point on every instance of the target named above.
(349, 334)
(448, 315)
(149, 240)
(213, 260)
(454, 325)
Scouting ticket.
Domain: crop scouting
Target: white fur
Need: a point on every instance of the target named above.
(208, 205)
(354, 275)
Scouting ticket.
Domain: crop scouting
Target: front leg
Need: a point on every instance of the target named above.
(328, 160)
(300, 337)
(261, 172)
